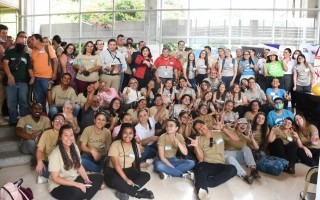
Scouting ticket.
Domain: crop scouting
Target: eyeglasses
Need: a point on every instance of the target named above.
(59, 120)
(133, 83)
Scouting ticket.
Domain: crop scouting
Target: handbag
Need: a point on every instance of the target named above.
(271, 165)
(14, 191)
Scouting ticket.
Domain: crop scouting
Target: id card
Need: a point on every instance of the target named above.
(219, 140)
(167, 148)
(131, 155)
(289, 138)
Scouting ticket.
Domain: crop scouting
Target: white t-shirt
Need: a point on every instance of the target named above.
(144, 133)
(132, 96)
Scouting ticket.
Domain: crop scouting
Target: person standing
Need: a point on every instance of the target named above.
(3, 38)
(44, 70)
(18, 78)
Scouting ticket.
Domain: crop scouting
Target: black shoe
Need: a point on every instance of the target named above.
(122, 196)
(290, 169)
(145, 194)
(248, 179)
(255, 173)
(12, 124)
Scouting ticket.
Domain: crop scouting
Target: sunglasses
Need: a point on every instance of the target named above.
(211, 142)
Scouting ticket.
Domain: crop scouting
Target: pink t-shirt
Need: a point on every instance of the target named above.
(105, 98)
(115, 131)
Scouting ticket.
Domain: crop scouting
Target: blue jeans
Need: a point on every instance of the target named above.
(193, 83)
(54, 109)
(41, 91)
(29, 147)
(180, 166)
(91, 165)
(227, 80)
(17, 95)
(148, 152)
(45, 173)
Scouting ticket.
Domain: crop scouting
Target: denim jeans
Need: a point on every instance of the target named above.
(17, 95)
(29, 147)
(236, 158)
(91, 165)
(45, 173)
(54, 109)
(227, 80)
(150, 151)
(193, 83)
(41, 91)
(180, 166)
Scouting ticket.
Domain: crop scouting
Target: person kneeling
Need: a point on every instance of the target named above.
(123, 171)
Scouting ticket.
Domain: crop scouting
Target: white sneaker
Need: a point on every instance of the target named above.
(149, 161)
(163, 176)
(189, 175)
(42, 179)
(203, 195)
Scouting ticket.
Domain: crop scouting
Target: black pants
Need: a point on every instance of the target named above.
(114, 180)
(212, 174)
(314, 161)
(262, 82)
(288, 152)
(74, 193)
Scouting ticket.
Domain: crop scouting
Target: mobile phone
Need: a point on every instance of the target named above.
(88, 184)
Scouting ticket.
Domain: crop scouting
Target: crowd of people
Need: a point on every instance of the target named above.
(114, 110)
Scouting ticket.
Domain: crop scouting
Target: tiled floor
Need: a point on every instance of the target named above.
(283, 187)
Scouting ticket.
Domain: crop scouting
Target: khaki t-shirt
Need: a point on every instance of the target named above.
(279, 133)
(89, 62)
(257, 134)
(306, 139)
(98, 141)
(208, 120)
(48, 142)
(153, 110)
(214, 154)
(56, 165)
(170, 147)
(126, 156)
(236, 145)
(59, 96)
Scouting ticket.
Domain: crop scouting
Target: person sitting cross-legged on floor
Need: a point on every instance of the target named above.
(211, 170)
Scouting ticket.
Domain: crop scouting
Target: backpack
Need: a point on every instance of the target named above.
(224, 61)
(14, 191)
(271, 165)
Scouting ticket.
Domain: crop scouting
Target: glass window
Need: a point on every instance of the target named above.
(64, 6)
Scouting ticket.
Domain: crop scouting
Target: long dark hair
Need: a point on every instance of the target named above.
(85, 50)
(233, 93)
(113, 112)
(74, 162)
(264, 126)
(224, 94)
(205, 58)
(133, 142)
(250, 59)
(188, 62)
(145, 47)
(65, 50)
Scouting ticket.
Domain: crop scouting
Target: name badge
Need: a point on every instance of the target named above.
(219, 140)
(272, 93)
(231, 65)
(167, 148)
(166, 73)
(93, 60)
(41, 51)
(131, 155)
(306, 70)
(289, 138)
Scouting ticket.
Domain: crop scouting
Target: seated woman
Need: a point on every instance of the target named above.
(168, 144)
(149, 93)
(142, 104)
(239, 98)
(167, 91)
(146, 134)
(284, 142)
(254, 108)
(207, 118)
(206, 99)
(122, 172)
(67, 110)
(175, 109)
(309, 135)
(106, 94)
(220, 97)
(131, 94)
(205, 86)
(211, 170)
(237, 150)
(260, 130)
(47, 142)
(68, 179)
(229, 116)
(124, 118)
(113, 111)
(95, 142)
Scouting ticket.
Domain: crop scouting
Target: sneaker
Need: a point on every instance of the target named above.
(42, 179)
(144, 194)
(203, 195)
(248, 179)
(189, 175)
(122, 196)
(163, 176)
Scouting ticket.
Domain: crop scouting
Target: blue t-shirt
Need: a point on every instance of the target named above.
(246, 70)
(274, 119)
(271, 93)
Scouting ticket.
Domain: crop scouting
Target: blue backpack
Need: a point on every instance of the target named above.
(271, 165)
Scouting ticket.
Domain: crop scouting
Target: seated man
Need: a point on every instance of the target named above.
(276, 116)
(211, 170)
(275, 91)
(60, 94)
(255, 93)
(213, 79)
(29, 129)
(184, 89)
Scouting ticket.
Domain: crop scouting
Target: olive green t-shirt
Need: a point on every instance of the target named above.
(236, 145)
(208, 120)
(126, 156)
(306, 138)
(48, 142)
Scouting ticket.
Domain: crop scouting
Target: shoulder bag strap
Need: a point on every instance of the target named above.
(7, 192)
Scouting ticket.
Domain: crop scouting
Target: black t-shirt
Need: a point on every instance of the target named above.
(22, 74)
